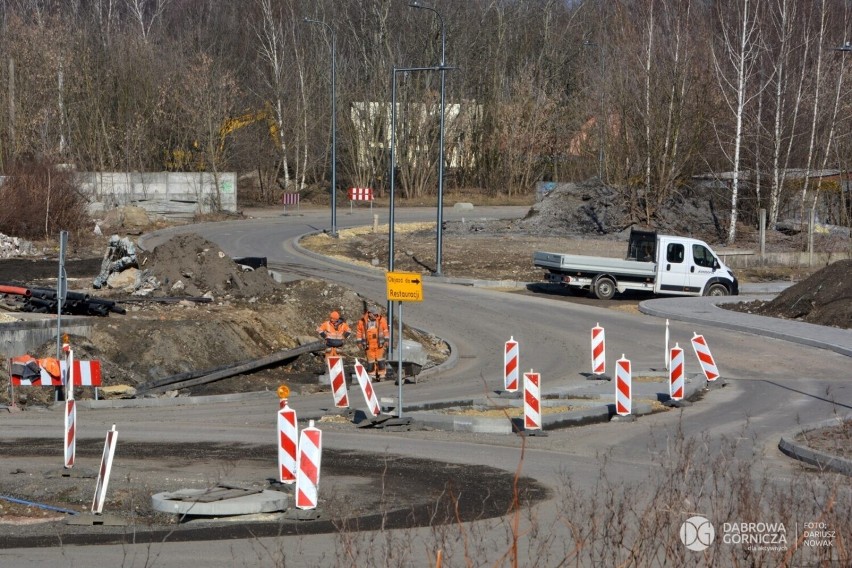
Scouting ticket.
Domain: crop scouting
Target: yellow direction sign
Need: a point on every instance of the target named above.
(404, 286)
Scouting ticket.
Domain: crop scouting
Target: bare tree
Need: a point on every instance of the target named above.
(146, 13)
(735, 61)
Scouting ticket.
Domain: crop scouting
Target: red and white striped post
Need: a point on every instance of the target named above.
(623, 387)
(532, 401)
(104, 471)
(288, 438)
(676, 373)
(308, 471)
(367, 388)
(70, 445)
(510, 366)
(338, 381)
(702, 351)
(598, 350)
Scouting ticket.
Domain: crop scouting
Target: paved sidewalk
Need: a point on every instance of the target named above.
(708, 311)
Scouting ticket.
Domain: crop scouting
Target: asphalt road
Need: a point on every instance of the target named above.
(773, 386)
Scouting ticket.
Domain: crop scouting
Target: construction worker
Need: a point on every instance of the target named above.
(372, 335)
(334, 331)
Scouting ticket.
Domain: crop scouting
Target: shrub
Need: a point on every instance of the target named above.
(39, 200)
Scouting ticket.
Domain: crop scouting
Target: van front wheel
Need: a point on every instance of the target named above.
(717, 290)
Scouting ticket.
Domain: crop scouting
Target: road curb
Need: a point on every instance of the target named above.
(798, 451)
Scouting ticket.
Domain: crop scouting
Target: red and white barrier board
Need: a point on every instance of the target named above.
(676, 373)
(510, 366)
(45, 379)
(338, 381)
(598, 350)
(290, 199)
(288, 439)
(532, 401)
(308, 472)
(623, 387)
(702, 351)
(360, 193)
(104, 471)
(86, 373)
(367, 388)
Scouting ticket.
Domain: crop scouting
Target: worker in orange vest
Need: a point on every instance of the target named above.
(372, 335)
(334, 331)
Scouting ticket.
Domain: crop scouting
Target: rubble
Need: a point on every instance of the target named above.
(11, 247)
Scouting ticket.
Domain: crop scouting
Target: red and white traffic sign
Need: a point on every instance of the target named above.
(308, 474)
(623, 387)
(676, 373)
(532, 401)
(367, 388)
(338, 381)
(598, 350)
(287, 441)
(702, 351)
(510, 366)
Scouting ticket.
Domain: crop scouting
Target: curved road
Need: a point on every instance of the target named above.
(773, 385)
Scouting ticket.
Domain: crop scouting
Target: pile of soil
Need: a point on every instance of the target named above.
(190, 265)
(824, 298)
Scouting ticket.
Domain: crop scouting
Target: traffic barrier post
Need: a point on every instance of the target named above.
(104, 471)
(308, 471)
(676, 373)
(623, 387)
(367, 389)
(510, 366)
(70, 445)
(338, 381)
(287, 442)
(532, 401)
(598, 350)
(702, 351)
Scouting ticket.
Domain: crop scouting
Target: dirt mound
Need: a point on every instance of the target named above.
(189, 265)
(591, 208)
(825, 298)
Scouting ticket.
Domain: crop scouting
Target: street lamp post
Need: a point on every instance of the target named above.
(442, 68)
(392, 208)
(333, 125)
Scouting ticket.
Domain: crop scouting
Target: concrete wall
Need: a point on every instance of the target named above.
(22, 337)
(167, 194)
(781, 259)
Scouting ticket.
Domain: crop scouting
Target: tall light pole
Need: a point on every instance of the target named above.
(333, 125)
(588, 43)
(392, 208)
(440, 229)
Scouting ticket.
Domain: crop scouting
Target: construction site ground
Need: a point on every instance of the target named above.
(250, 317)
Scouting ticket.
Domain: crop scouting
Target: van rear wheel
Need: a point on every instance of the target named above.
(604, 288)
(717, 290)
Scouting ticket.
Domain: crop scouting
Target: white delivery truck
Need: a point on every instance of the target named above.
(661, 264)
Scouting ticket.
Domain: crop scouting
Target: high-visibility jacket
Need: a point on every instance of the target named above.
(372, 332)
(334, 332)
